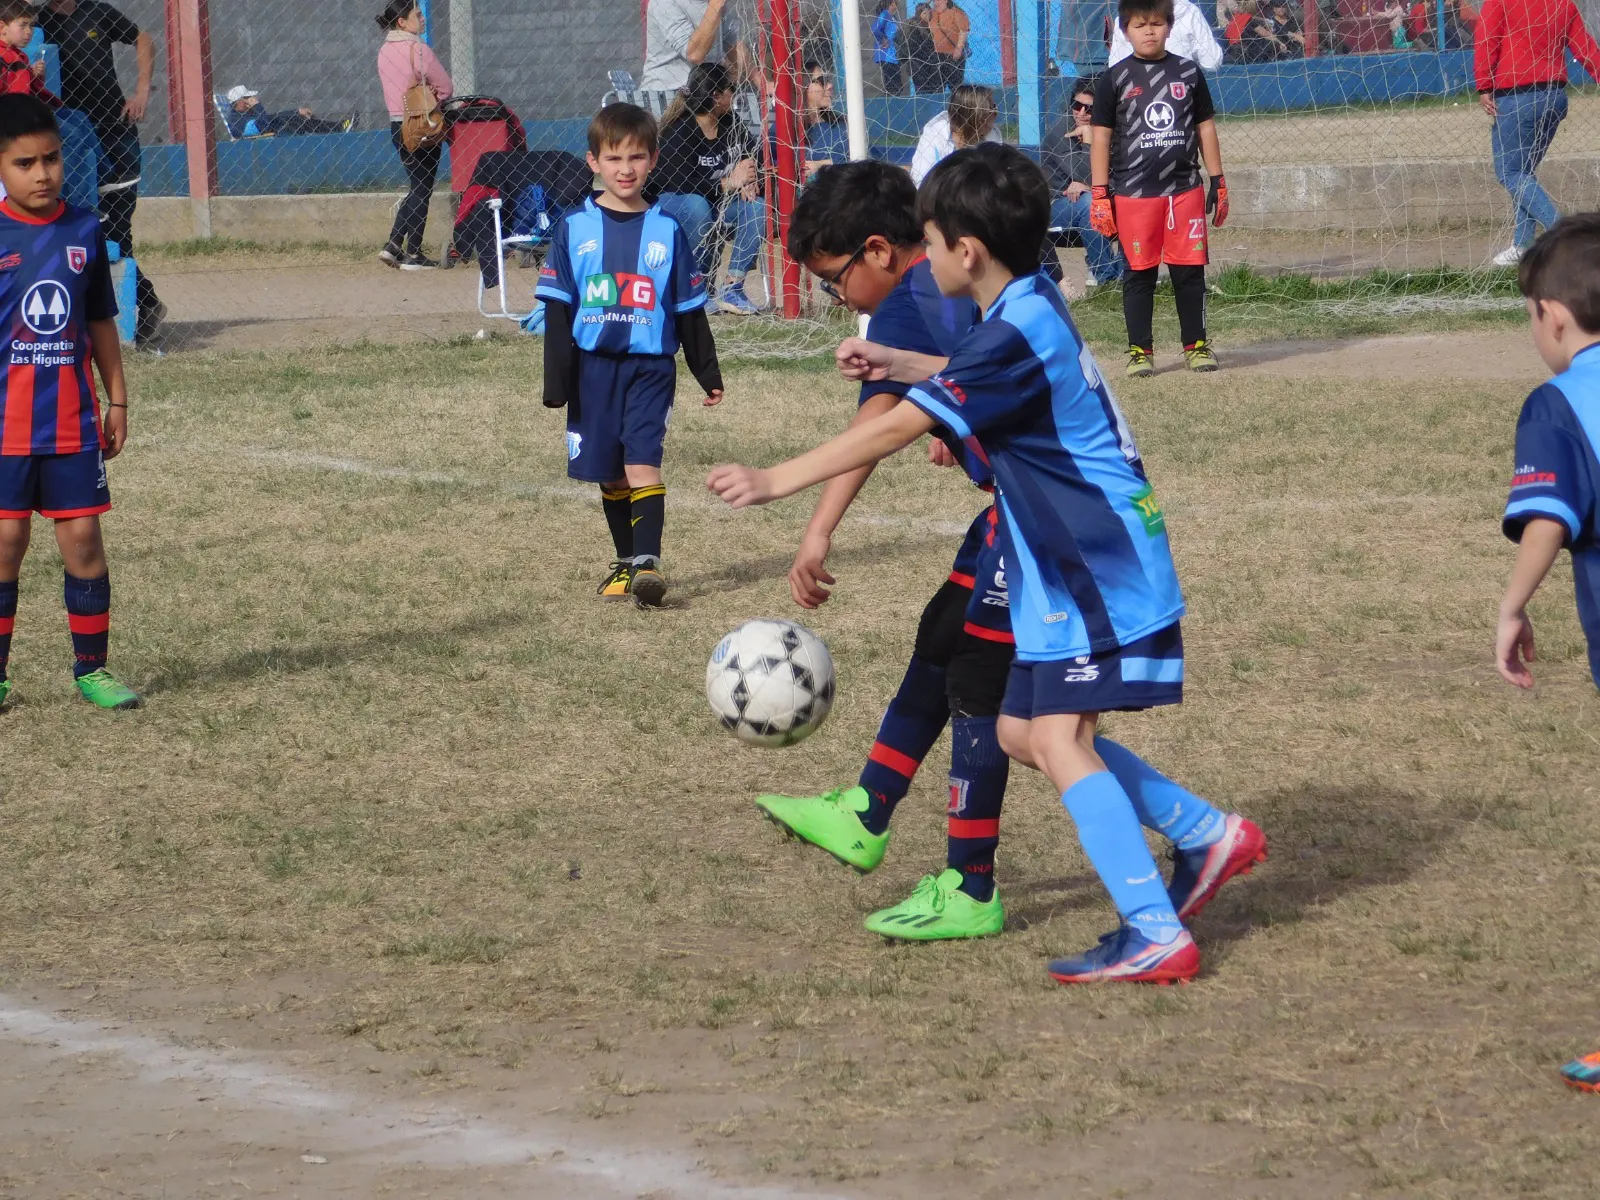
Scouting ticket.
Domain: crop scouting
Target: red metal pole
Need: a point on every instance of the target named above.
(199, 132)
(174, 75)
(1008, 43)
(785, 54)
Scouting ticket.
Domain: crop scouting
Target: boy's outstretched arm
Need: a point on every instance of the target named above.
(809, 573)
(106, 350)
(861, 444)
(864, 361)
(1542, 540)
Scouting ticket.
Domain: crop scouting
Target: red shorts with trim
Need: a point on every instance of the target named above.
(53, 485)
(1163, 229)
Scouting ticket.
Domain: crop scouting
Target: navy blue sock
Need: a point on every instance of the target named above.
(8, 621)
(89, 618)
(618, 507)
(911, 725)
(978, 770)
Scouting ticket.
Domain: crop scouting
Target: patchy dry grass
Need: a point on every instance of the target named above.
(394, 742)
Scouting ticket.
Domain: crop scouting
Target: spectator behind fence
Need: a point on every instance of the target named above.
(950, 29)
(1270, 33)
(248, 117)
(827, 133)
(1519, 62)
(18, 76)
(85, 31)
(708, 177)
(1065, 155)
(1460, 21)
(405, 60)
(969, 119)
(1227, 10)
(886, 45)
(1191, 38)
(679, 35)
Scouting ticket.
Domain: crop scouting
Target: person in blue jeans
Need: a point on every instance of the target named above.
(1065, 156)
(1525, 124)
(708, 177)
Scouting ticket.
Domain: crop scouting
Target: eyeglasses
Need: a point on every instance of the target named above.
(830, 283)
(821, 81)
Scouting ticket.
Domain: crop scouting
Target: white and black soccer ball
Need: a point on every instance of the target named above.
(770, 682)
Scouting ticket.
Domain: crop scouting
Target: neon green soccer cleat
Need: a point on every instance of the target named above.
(938, 909)
(5, 691)
(1141, 363)
(831, 822)
(104, 690)
(1200, 357)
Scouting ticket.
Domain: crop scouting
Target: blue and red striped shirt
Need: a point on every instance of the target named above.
(54, 280)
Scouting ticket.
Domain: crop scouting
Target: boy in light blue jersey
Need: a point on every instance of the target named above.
(1095, 602)
(1555, 485)
(621, 294)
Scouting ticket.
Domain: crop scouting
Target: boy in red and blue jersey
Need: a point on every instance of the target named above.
(58, 311)
(855, 227)
(1095, 602)
(18, 76)
(621, 294)
(1555, 485)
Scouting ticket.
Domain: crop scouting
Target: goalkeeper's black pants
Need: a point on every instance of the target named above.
(1139, 302)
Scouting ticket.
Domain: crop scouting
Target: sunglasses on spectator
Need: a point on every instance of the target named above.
(821, 81)
(830, 283)
(1080, 106)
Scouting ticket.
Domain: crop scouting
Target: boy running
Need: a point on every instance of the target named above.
(1152, 125)
(1095, 598)
(621, 293)
(855, 228)
(57, 308)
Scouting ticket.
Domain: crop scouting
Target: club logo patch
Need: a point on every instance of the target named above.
(655, 255)
(1179, 90)
(46, 308)
(77, 258)
(574, 445)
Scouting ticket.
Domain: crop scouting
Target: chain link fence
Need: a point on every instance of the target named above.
(1351, 131)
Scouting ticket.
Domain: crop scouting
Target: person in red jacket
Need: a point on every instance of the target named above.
(1519, 62)
(17, 75)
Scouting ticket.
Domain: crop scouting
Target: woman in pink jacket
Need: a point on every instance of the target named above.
(403, 61)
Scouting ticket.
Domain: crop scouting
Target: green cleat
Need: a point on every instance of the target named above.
(939, 909)
(104, 690)
(1200, 357)
(5, 692)
(831, 822)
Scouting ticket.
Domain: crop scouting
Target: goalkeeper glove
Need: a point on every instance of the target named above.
(1217, 200)
(1100, 215)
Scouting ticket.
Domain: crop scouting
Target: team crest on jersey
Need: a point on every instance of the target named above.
(574, 444)
(46, 307)
(77, 258)
(655, 255)
(1179, 90)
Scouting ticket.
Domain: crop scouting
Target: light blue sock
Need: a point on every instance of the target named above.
(1110, 834)
(1166, 807)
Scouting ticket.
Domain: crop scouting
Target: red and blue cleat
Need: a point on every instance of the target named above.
(1127, 956)
(1198, 875)
(1583, 1073)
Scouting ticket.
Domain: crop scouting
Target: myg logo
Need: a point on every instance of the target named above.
(619, 291)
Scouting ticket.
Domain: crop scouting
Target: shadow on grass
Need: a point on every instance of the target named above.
(179, 672)
(1323, 843)
(776, 566)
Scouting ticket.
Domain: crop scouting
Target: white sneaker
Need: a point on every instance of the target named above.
(1509, 257)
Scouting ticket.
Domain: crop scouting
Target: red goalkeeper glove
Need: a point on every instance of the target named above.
(1100, 215)
(1217, 200)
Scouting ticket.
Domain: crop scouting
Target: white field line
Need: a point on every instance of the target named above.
(377, 1130)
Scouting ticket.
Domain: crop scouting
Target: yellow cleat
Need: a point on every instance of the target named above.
(1141, 365)
(1199, 357)
(619, 582)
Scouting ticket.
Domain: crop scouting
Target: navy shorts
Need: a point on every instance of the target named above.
(1143, 674)
(619, 415)
(983, 557)
(53, 485)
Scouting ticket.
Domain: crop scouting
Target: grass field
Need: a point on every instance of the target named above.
(397, 752)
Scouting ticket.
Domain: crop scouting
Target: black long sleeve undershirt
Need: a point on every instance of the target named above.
(561, 353)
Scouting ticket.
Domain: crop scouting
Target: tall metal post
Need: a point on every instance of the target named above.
(199, 131)
(790, 140)
(855, 92)
(463, 48)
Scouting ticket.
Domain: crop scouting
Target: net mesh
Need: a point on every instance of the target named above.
(1354, 144)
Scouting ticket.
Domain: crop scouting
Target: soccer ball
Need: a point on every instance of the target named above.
(770, 682)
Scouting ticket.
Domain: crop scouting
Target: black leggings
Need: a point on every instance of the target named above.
(976, 669)
(412, 216)
(1139, 303)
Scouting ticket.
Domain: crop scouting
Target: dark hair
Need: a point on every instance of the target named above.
(1564, 266)
(22, 115)
(707, 81)
(994, 193)
(812, 66)
(1087, 83)
(883, 6)
(1127, 10)
(395, 12)
(846, 204)
(618, 123)
(10, 10)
